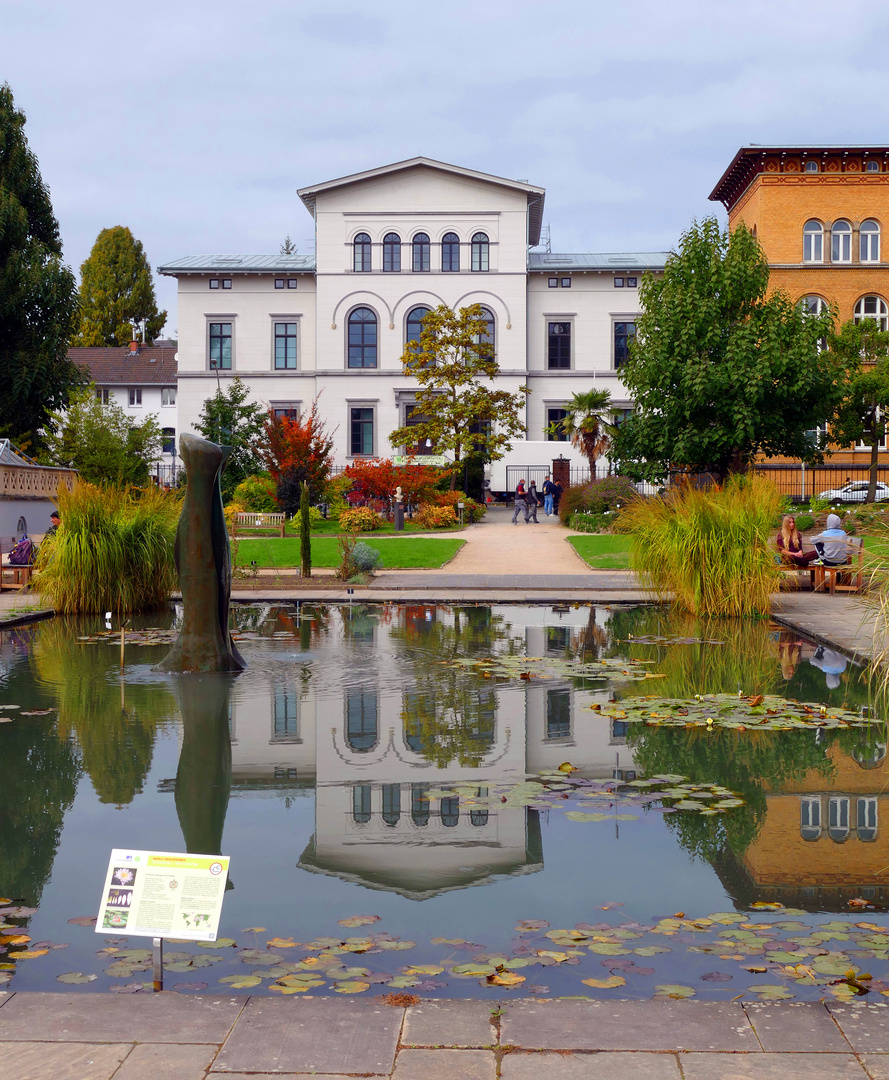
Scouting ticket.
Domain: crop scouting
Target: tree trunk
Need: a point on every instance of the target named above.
(872, 478)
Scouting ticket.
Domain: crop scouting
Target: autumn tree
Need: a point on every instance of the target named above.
(297, 451)
(455, 408)
(116, 286)
(863, 349)
(377, 478)
(719, 371)
(231, 419)
(38, 293)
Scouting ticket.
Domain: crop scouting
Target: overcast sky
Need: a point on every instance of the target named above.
(194, 123)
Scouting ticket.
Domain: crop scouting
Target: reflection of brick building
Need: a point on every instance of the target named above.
(819, 213)
(824, 839)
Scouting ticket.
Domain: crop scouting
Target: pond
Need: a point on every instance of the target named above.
(454, 801)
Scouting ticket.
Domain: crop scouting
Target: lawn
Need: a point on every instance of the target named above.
(395, 552)
(603, 551)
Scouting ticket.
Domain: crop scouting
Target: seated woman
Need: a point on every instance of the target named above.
(790, 544)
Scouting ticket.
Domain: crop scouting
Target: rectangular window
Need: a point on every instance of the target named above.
(559, 346)
(618, 283)
(290, 409)
(555, 419)
(285, 346)
(169, 440)
(220, 346)
(558, 714)
(553, 283)
(135, 395)
(624, 332)
(285, 713)
(226, 283)
(168, 395)
(632, 283)
(103, 394)
(214, 283)
(361, 440)
(566, 282)
(279, 283)
(291, 282)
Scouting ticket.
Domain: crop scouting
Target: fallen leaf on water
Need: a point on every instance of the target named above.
(219, 943)
(505, 978)
(359, 920)
(28, 954)
(606, 984)
(282, 943)
(351, 987)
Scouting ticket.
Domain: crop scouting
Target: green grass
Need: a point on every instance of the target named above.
(603, 551)
(395, 552)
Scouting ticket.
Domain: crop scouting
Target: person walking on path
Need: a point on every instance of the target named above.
(532, 502)
(521, 505)
(547, 495)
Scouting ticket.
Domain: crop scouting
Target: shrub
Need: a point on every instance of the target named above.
(335, 492)
(472, 511)
(257, 494)
(230, 511)
(591, 523)
(712, 550)
(597, 496)
(804, 522)
(365, 558)
(361, 519)
(113, 552)
(314, 518)
(435, 517)
(347, 569)
(818, 506)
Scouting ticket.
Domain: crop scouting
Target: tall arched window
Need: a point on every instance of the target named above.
(391, 253)
(420, 247)
(866, 819)
(361, 804)
(391, 803)
(813, 305)
(361, 253)
(361, 719)
(841, 241)
(450, 253)
(869, 241)
(838, 818)
(414, 325)
(488, 336)
(480, 248)
(362, 338)
(450, 811)
(419, 805)
(873, 307)
(813, 241)
(810, 817)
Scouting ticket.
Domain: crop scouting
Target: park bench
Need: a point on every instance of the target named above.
(848, 578)
(257, 522)
(11, 577)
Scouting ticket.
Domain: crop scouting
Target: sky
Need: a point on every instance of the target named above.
(193, 123)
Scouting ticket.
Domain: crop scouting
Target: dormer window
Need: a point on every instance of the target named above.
(872, 166)
(811, 166)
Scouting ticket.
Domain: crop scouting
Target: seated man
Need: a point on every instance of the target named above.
(832, 545)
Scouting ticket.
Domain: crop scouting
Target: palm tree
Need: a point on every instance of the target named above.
(586, 426)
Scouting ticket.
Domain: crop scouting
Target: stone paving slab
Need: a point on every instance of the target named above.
(877, 1065)
(58, 1061)
(151, 1018)
(603, 1066)
(156, 1062)
(796, 1026)
(318, 1035)
(450, 1024)
(445, 1065)
(771, 1067)
(865, 1026)
(627, 1025)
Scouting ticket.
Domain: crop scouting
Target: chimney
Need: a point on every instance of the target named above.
(134, 347)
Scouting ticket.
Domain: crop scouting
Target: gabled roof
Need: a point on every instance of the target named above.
(637, 260)
(535, 195)
(749, 161)
(239, 264)
(152, 365)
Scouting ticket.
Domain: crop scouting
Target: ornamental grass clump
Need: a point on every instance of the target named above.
(710, 551)
(113, 551)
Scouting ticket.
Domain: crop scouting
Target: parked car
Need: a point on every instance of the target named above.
(856, 492)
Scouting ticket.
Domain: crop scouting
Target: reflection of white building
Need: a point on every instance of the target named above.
(364, 743)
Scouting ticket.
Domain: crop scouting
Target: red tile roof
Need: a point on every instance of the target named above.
(152, 365)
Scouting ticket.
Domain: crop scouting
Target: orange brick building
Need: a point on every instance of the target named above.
(819, 213)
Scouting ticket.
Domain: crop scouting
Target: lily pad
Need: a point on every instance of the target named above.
(673, 991)
(606, 984)
(76, 978)
(359, 920)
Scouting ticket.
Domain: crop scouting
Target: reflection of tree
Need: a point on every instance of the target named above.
(747, 762)
(453, 722)
(115, 725)
(38, 782)
(203, 778)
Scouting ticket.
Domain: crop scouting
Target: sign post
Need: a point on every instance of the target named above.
(160, 894)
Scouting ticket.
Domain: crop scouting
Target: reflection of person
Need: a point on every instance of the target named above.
(790, 543)
(532, 502)
(790, 651)
(832, 545)
(521, 506)
(832, 663)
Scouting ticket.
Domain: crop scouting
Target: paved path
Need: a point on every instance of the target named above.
(495, 546)
(168, 1035)
(844, 622)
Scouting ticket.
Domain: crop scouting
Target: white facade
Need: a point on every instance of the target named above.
(285, 324)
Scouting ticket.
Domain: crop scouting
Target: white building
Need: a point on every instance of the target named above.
(391, 243)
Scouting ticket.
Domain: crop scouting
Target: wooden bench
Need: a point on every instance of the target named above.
(264, 522)
(848, 578)
(12, 577)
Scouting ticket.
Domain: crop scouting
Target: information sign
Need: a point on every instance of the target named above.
(163, 894)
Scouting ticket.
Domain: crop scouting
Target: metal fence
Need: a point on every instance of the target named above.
(800, 482)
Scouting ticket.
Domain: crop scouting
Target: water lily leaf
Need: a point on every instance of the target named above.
(190, 986)
(359, 920)
(83, 920)
(505, 978)
(28, 954)
(127, 988)
(522, 925)
(605, 948)
(259, 956)
(605, 984)
(303, 980)
(135, 956)
(124, 971)
(579, 815)
(404, 982)
(769, 992)
(398, 946)
(282, 943)
(674, 991)
(352, 986)
(277, 988)
(651, 950)
(219, 943)
(241, 982)
(473, 971)
(178, 966)
(254, 930)
(717, 976)
(421, 969)
(17, 939)
(830, 966)
(76, 977)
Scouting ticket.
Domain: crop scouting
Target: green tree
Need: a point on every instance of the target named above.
(288, 247)
(38, 294)
(585, 424)
(116, 286)
(861, 416)
(456, 411)
(231, 419)
(102, 442)
(719, 371)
